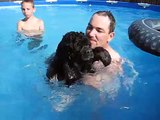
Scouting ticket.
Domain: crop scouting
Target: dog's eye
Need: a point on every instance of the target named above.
(88, 51)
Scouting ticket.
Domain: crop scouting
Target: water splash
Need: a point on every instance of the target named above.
(129, 75)
(63, 98)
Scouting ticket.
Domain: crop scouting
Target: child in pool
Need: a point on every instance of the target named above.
(30, 25)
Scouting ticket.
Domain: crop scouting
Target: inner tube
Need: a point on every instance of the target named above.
(145, 34)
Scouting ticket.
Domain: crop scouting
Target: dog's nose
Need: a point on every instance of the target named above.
(87, 54)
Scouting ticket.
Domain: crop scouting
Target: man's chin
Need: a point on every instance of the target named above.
(93, 45)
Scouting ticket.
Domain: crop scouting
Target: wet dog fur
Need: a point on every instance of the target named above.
(74, 57)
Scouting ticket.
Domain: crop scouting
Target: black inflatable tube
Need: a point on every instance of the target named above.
(145, 34)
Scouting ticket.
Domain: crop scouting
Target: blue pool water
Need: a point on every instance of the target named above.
(25, 94)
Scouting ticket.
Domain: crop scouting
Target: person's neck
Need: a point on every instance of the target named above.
(30, 18)
(114, 54)
(107, 47)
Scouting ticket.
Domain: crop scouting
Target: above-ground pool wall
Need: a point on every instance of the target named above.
(88, 2)
(155, 2)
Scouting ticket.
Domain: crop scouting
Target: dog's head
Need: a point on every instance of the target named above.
(76, 46)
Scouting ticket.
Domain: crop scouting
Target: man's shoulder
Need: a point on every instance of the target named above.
(115, 56)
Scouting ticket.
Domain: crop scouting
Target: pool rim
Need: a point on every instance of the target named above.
(90, 3)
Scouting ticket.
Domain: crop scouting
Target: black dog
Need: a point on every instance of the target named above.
(74, 57)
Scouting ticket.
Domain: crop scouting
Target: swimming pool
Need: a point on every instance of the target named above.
(25, 95)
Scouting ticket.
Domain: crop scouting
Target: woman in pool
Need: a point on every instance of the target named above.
(100, 31)
(30, 25)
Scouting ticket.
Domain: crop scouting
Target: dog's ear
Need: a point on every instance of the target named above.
(102, 54)
(49, 73)
(50, 58)
(52, 70)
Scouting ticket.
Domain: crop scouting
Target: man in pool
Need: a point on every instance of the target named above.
(100, 31)
(30, 25)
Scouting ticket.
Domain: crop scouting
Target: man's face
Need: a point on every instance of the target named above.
(98, 31)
